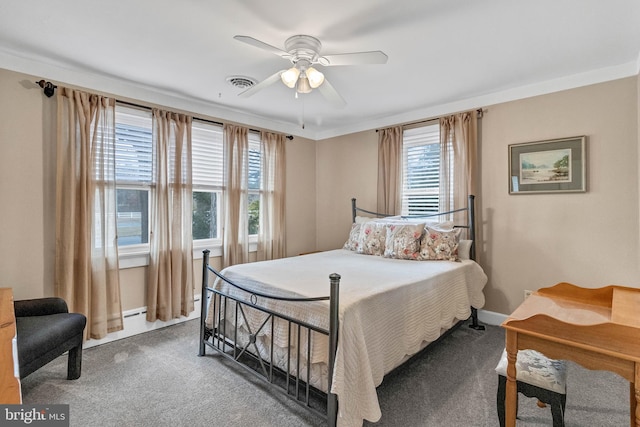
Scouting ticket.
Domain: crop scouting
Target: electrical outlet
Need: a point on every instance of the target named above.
(527, 293)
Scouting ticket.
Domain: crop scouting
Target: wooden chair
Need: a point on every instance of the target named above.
(536, 376)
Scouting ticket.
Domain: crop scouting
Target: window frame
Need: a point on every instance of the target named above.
(217, 186)
(255, 145)
(135, 255)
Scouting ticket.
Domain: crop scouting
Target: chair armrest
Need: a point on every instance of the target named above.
(40, 307)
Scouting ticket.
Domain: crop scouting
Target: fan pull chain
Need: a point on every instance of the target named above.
(303, 112)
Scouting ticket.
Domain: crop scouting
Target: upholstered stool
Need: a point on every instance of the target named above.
(536, 376)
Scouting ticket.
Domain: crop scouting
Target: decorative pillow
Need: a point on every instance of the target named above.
(440, 244)
(354, 235)
(403, 241)
(372, 238)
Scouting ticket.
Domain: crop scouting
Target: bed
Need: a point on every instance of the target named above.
(326, 327)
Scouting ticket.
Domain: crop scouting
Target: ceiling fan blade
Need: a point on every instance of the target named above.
(262, 45)
(355, 58)
(331, 94)
(263, 84)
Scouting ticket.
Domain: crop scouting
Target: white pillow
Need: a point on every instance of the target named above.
(440, 225)
(387, 219)
(431, 222)
(464, 249)
(363, 219)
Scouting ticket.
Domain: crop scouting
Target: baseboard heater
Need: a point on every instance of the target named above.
(135, 322)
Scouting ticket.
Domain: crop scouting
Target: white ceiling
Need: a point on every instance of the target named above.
(444, 55)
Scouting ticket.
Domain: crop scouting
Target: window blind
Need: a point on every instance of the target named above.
(207, 167)
(134, 146)
(254, 161)
(421, 170)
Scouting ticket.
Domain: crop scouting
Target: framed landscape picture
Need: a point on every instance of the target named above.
(553, 166)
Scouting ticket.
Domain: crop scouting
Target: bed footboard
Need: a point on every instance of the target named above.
(288, 368)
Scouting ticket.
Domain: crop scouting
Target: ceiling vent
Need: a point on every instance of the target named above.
(241, 82)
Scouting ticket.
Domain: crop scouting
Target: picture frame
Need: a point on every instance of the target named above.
(551, 166)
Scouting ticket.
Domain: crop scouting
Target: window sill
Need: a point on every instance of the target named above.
(141, 259)
(215, 251)
(133, 260)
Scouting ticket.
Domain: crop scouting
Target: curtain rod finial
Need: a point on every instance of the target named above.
(48, 87)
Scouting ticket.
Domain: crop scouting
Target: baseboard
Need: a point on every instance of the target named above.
(135, 322)
(491, 317)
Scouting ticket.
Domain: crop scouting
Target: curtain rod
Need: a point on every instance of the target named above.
(479, 111)
(289, 137)
(49, 88)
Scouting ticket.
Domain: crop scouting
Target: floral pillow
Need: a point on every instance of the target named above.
(372, 238)
(440, 244)
(354, 235)
(403, 241)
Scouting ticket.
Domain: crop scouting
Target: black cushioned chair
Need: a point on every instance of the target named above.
(45, 330)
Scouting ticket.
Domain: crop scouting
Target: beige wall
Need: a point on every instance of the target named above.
(529, 241)
(27, 188)
(346, 167)
(301, 196)
(589, 239)
(26, 171)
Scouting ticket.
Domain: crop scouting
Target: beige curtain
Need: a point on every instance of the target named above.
(459, 161)
(390, 170)
(170, 280)
(86, 270)
(271, 236)
(236, 232)
(458, 166)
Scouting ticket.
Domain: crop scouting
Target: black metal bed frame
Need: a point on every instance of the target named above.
(216, 337)
(226, 344)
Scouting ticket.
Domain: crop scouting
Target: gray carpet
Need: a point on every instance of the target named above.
(156, 379)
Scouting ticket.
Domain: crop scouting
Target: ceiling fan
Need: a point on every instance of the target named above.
(304, 51)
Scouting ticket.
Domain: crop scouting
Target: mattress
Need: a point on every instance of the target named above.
(389, 310)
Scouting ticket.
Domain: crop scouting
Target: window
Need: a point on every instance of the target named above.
(421, 170)
(207, 174)
(254, 185)
(134, 167)
(134, 180)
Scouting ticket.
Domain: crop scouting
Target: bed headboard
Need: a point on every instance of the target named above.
(470, 224)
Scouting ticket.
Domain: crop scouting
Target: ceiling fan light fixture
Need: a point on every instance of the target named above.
(315, 77)
(303, 85)
(302, 51)
(290, 77)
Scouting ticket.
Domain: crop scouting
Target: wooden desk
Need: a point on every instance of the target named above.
(9, 383)
(596, 328)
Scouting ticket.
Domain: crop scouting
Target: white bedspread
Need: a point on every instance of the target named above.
(389, 309)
